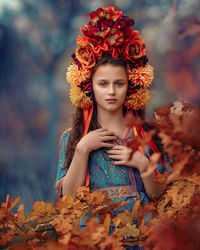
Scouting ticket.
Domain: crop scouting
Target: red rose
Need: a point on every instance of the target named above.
(134, 49)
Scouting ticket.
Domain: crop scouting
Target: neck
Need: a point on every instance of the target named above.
(113, 121)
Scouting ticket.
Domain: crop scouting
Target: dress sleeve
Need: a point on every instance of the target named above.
(62, 169)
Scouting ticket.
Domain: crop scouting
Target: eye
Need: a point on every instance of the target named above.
(103, 83)
(119, 83)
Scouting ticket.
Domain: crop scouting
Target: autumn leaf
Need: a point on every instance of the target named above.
(82, 192)
(162, 178)
(63, 224)
(51, 245)
(20, 246)
(7, 237)
(128, 230)
(65, 239)
(64, 203)
(8, 205)
(106, 223)
(111, 242)
(122, 219)
(20, 218)
(42, 212)
(180, 233)
(94, 233)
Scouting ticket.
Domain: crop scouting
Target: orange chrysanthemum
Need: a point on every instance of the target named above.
(74, 75)
(137, 100)
(79, 98)
(142, 76)
(86, 56)
(82, 41)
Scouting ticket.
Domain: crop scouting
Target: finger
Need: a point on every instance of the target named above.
(101, 130)
(116, 157)
(116, 163)
(106, 132)
(119, 147)
(114, 151)
(123, 149)
(107, 145)
(108, 138)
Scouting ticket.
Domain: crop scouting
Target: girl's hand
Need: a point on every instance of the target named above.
(122, 154)
(96, 139)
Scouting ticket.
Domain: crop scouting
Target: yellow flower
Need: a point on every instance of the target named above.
(137, 100)
(79, 98)
(74, 75)
(142, 76)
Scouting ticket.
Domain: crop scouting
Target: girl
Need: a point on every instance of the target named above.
(109, 76)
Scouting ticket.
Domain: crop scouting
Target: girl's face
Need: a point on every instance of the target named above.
(110, 86)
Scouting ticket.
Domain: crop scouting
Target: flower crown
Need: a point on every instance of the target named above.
(109, 32)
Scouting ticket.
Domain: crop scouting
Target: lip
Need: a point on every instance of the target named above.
(112, 100)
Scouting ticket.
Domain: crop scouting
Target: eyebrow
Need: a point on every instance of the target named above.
(107, 80)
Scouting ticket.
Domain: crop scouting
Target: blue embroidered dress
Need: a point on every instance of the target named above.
(104, 174)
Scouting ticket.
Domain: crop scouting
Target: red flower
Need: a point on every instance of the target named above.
(115, 37)
(108, 13)
(113, 13)
(115, 52)
(99, 48)
(110, 32)
(98, 30)
(134, 48)
(123, 23)
(97, 44)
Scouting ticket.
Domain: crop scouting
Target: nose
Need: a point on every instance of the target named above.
(111, 90)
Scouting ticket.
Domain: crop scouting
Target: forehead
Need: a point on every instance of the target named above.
(109, 71)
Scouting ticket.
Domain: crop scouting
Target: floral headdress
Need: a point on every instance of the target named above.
(109, 32)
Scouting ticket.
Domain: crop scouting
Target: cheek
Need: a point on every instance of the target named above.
(97, 92)
(94, 89)
(124, 92)
(123, 95)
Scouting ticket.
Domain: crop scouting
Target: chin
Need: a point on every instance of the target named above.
(113, 109)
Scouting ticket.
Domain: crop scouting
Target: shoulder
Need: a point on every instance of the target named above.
(66, 134)
(65, 137)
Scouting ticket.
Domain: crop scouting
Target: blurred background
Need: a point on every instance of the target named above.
(37, 39)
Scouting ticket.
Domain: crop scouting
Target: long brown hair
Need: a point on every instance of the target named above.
(78, 121)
